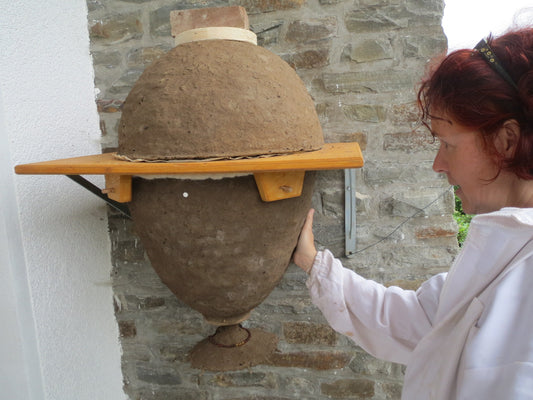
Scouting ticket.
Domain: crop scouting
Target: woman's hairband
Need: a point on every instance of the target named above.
(490, 57)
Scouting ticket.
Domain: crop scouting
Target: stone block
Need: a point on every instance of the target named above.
(158, 375)
(409, 142)
(160, 22)
(169, 327)
(277, 305)
(117, 28)
(332, 202)
(374, 3)
(365, 112)
(369, 50)
(411, 260)
(144, 56)
(365, 364)
(368, 81)
(120, 226)
(128, 250)
(307, 59)
(311, 30)
(127, 329)
(298, 385)
(136, 351)
(423, 202)
(434, 232)
(176, 393)
(425, 21)
(267, 32)
(144, 303)
(125, 82)
(330, 234)
(371, 20)
(265, 6)
(406, 113)
(172, 353)
(319, 360)
(109, 106)
(424, 46)
(245, 379)
(359, 137)
(349, 389)
(386, 172)
(107, 59)
(293, 280)
(392, 390)
(329, 2)
(309, 333)
(259, 397)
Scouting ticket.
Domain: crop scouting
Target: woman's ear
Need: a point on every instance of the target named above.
(507, 138)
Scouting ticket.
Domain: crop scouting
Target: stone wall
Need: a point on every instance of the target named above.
(361, 61)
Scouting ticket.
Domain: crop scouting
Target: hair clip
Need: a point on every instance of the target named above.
(490, 57)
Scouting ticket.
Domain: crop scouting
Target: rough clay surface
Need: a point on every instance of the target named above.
(257, 350)
(215, 243)
(218, 98)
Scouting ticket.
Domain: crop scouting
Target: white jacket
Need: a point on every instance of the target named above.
(467, 334)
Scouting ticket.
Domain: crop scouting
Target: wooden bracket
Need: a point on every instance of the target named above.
(118, 187)
(275, 186)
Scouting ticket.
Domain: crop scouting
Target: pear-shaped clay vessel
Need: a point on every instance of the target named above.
(213, 241)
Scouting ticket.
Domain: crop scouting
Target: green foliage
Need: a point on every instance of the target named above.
(462, 219)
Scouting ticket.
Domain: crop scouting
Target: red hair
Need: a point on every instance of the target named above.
(466, 89)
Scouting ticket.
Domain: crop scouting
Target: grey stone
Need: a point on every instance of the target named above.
(370, 50)
(158, 376)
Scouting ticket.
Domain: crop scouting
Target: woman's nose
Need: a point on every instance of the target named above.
(439, 164)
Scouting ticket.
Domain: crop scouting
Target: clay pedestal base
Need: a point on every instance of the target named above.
(233, 348)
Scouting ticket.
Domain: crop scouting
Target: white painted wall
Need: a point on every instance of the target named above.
(58, 334)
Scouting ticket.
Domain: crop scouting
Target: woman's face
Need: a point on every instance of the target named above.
(466, 163)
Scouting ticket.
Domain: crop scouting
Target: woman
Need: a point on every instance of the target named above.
(467, 334)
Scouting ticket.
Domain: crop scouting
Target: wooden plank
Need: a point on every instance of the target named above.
(331, 156)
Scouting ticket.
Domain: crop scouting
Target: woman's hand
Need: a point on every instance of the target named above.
(305, 253)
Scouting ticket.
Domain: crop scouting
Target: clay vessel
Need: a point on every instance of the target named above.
(215, 243)
(211, 239)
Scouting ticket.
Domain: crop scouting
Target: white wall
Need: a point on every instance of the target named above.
(58, 335)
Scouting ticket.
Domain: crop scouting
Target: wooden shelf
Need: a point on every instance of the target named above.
(267, 170)
(331, 156)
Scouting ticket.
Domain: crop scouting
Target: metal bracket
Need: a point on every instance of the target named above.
(122, 208)
(349, 212)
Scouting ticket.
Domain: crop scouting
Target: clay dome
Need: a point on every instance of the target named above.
(218, 98)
